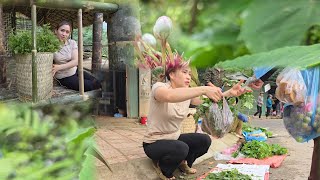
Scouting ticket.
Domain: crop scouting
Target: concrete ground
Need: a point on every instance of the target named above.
(297, 164)
(120, 142)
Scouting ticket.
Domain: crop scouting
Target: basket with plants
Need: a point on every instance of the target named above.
(20, 43)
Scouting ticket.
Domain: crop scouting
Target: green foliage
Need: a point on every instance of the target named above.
(247, 128)
(88, 168)
(215, 28)
(245, 101)
(46, 40)
(256, 149)
(295, 56)
(233, 174)
(278, 150)
(313, 35)
(261, 150)
(202, 109)
(235, 154)
(88, 38)
(42, 144)
(21, 42)
(287, 25)
(210, 55)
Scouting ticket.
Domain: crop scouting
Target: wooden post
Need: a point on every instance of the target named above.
(3, 68)
(34, 53)
(315, 165)
(80, 53)
(122, 29)
(96, 43)
(144, 91)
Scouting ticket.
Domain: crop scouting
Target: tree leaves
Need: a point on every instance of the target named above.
(81, 134)
(21, 42)
(33, 145)
(210, 55)
(273, 24)
(296, 56)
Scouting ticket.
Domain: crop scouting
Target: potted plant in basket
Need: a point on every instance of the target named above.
(20, 44)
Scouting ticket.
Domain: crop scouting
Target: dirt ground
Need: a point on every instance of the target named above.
(296, 166)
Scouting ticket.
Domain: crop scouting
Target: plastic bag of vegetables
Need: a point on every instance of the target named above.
(218, 120)
(291, 87)
(303, 120)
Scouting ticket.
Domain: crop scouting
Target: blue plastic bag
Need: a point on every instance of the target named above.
(249, 136)
(303, 120)
(242, 117)
(260, 71)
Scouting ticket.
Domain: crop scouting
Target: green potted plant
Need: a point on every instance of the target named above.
(20, 44)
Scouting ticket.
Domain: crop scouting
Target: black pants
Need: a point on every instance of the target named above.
(170, 153)
(268, 111)
(72, 82)
(259, 111)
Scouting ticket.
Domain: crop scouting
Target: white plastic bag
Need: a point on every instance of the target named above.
(218, 121)
(291, 88)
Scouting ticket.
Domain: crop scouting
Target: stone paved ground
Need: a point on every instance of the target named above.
(120, 142)
(120, 139)
(297, 164)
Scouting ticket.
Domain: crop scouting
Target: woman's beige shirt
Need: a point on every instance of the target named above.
(164, 119)
(63, 56)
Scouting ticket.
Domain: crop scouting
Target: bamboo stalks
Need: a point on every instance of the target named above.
(34, 53)
(80, 54)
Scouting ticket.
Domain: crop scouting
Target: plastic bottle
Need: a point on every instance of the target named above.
(199, 130)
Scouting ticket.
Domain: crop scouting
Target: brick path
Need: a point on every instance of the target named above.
(119, 139)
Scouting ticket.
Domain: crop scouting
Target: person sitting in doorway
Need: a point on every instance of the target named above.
(66, 61)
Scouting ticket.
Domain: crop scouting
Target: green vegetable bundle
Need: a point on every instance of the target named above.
(233, 174)
(21, 41)
(247, 128)
(261, 150)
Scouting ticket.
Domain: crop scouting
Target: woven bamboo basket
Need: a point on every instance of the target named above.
(44, 63)
(188, 125)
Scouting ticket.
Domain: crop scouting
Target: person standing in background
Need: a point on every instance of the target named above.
(259, 105)
(269, 105)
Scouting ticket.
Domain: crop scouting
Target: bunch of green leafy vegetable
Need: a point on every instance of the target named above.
(233, 174)
(278, 150)
(202, 109)
(246, 100)
(261, 150)
(247, 128)
(39, 144)
(21, 41)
